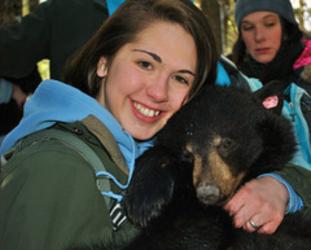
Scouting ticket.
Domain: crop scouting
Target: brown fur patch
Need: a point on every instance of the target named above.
(197, 169)
(222, 174)
(217, 172)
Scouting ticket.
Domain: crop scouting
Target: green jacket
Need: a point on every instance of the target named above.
(300, 180)
(67, 208)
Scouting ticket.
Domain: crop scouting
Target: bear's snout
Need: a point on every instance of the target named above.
(208, 194)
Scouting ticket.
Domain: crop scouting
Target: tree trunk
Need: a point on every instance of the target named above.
(212, 11)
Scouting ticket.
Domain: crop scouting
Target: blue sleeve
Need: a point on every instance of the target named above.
(295, 202)
(6, 89)
(112, 5)
(222, 78)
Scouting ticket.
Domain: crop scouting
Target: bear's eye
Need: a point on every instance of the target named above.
(225, 147)
(186, 156)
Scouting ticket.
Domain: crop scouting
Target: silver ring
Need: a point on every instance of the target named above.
(253, 224)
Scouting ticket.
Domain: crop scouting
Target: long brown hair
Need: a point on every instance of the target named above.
(122, 27)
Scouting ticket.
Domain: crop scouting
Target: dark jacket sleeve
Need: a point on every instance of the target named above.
(300, 180)
(54, 31)
(23, 44)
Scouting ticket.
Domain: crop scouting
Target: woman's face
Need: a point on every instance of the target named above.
(262, 34)
(149, 79)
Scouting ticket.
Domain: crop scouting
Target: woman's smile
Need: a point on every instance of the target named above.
(145, 111)
(157, 75)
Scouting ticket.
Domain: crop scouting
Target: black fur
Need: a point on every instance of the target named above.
(180, 208)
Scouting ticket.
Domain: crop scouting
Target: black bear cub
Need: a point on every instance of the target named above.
(214, 144)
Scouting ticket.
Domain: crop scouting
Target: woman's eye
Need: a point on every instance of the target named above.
(181, 79)
(144, 65)
(247, 27)
(270, 24)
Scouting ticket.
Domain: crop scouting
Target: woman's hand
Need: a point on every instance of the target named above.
(259, 205)
(19, 96)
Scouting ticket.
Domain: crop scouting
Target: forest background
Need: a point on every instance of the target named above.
(220, 13)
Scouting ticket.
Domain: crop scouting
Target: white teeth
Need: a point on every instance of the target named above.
(145, 111)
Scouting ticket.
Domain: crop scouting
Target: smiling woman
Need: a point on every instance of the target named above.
(158, 74)
(141, 67)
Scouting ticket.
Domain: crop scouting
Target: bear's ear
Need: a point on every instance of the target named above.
(279, 143)
(271, 96)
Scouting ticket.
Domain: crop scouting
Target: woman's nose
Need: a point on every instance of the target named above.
(158, 88)
(259, 34)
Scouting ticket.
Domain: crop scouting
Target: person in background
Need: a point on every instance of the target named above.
(13, 91)
(270, 45)
(13, 97)
(54, 30)
(146, 61)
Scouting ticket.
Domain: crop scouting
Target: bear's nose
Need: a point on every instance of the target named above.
(208, 194)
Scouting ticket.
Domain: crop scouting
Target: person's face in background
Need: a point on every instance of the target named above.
(149, 79)
(262, 34)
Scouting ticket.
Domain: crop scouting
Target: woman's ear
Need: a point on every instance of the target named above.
(102, 67)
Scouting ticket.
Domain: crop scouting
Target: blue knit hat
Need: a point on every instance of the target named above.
(281, 7)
